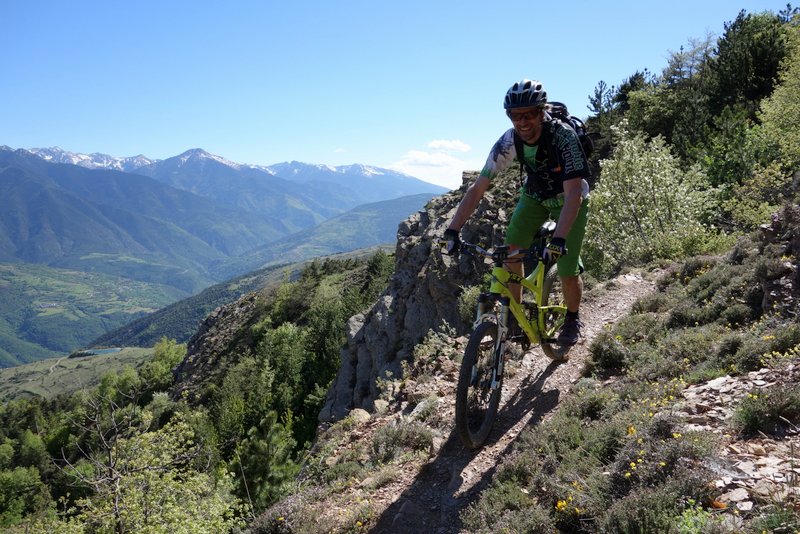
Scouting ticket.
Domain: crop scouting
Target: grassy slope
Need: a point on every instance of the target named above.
(56, 376)
(45, 312)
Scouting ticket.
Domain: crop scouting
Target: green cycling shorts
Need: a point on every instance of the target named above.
(532, 212)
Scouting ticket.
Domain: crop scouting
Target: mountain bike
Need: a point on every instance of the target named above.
(540, 315)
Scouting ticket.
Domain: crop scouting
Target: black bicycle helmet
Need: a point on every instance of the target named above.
(526, 94)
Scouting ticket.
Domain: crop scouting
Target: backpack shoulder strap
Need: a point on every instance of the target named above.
(519, 147)
(546, 149)
(547, 137)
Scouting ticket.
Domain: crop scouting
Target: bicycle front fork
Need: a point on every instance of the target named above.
(485, 305)
(499, 359)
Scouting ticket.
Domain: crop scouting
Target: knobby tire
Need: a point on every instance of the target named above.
(552, 294)
(476, 401)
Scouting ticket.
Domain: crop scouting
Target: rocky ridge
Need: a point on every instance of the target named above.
(422, 296)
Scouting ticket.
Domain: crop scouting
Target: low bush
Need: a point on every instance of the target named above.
(771, 411)
(607, 356)
(656, 509)
(777, 520)
(392, 440)
(505, 508)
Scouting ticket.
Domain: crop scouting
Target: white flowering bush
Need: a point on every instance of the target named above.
(645, 207)
(780, 112)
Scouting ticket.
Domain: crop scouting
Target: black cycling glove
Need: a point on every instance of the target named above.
(556, 248)
(452, 242)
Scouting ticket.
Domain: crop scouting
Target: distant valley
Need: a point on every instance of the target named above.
(160, 231)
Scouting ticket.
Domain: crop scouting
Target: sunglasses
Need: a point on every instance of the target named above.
(528, 115)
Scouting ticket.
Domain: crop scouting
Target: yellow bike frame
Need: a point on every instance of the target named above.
(534, 283)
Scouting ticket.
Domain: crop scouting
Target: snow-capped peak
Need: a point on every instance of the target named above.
(200, 154)
(91, 161)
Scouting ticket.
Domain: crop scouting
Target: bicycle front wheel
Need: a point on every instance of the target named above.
(476, 400)
(552, 295)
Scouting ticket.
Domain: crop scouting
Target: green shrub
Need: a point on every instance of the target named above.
(751, 203)
(604, 439)
(639, 327)
(737, 314)
(780, 111)
(659, 302)
(652, 365)
(645, 206)
(749, 354)
(690, 345)
(391, 440)
(505, 508)
(776, 519)
(591, 402)
(607, 355)
(771, 410)
(657, 509)
(784, 338)
(555, 437)
(344, 471)
(468, 303)
(694, 267)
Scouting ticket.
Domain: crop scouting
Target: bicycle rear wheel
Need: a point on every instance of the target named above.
(553, 295)
(476, 401)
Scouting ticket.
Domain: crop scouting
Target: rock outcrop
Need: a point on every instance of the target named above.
(422, 295)
(219, 334)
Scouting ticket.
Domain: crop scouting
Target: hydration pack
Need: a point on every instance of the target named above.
(558, 114)
(559, 111)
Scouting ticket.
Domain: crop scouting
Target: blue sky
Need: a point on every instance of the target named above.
(413, 85)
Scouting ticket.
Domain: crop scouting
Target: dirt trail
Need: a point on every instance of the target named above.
(430, 500)
(52, 367)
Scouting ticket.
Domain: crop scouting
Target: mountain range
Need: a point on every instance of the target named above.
(184, 223)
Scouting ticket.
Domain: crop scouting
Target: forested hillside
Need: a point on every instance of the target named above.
(699, 177)
(286, 339)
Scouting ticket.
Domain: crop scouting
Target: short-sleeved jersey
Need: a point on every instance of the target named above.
(550, 175)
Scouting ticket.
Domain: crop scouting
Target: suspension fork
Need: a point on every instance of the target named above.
(502, 331)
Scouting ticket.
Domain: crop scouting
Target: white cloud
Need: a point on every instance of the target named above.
(439, 165)
(454, 145)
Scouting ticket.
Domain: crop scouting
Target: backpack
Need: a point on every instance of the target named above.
(558, 112)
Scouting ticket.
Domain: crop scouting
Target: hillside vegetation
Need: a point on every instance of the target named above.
(47, 312)
(280, 352)
(179, 321)
(699, 170)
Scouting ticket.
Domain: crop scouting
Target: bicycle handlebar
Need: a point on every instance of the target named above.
(498, 254)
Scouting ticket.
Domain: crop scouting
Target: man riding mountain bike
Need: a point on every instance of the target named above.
(556, 188)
